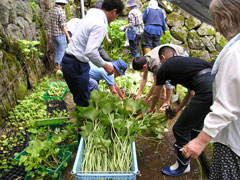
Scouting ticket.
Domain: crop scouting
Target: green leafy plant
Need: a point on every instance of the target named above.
(64, 134)
(43, 155)
(109, 127)
(29, 48)
(57, 89)
(10, 139)
(118, 39)
(42, 175)
(166, 38)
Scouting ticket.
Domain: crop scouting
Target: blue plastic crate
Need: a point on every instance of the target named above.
(103, 175)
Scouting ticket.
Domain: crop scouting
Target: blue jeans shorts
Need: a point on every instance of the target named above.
(60, 44)
(169, 85)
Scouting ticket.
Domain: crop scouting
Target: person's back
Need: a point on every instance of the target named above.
(79, 42)
(153, 60)
(154, 16)
(73, 25)
(100, 74)
(182, 70)
(154, 25)
(97, 74)
(57, 32)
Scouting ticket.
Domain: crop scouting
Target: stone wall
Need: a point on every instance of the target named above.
(18, 21)
(200, 39)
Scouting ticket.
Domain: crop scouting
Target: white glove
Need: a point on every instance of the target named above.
(121, 28)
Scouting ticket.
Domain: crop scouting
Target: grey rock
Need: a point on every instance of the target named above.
(208, 42)
(175, 20)
(179, 33)
(194, 41)
(206, 30)
(14, 32)
(192, 23)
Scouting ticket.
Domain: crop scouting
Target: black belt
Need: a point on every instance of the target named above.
(204, 71)
(73, 57)
(70, 56)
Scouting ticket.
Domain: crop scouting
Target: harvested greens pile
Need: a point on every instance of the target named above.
(109, 127)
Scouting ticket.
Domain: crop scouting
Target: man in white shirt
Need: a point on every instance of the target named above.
(83, 48)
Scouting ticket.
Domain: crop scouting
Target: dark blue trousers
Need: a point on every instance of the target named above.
(190, 122)
(134, 46)
(76, 75)
(151, 40)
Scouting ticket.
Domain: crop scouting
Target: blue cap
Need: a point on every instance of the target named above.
(120, 66)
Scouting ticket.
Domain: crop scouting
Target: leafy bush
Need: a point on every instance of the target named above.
(114, 49)
(165, 39)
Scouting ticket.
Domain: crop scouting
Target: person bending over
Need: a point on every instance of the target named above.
(151, 62)
(195, 75)
(97, 74)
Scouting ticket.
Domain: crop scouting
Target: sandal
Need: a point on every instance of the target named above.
(164, 107)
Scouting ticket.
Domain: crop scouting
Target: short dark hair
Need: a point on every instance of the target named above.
(109, 5)
(139, 62)
(165, 50)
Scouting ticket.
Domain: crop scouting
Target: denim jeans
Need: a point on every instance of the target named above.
(93, 85)
(60, 44)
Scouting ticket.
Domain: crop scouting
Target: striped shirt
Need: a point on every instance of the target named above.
(57, 21)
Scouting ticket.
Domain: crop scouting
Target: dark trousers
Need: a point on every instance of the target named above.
(76, 75)
(190, 123)
(151, 40)
(134, 45)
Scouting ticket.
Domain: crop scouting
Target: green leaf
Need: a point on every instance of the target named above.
(56, 139)
(107, 108)
(90, 113)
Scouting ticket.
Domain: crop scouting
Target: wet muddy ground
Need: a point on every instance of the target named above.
(152, 156)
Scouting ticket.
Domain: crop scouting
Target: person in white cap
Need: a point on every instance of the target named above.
(57, 32)
(154, 25)
(134, 27)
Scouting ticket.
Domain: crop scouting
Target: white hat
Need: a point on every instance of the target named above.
(131, 3)
(61, 1)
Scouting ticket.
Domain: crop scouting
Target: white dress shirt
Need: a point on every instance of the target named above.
(223, 123)
(87, 39)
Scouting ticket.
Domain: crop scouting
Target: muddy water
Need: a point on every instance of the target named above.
(152, 156)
